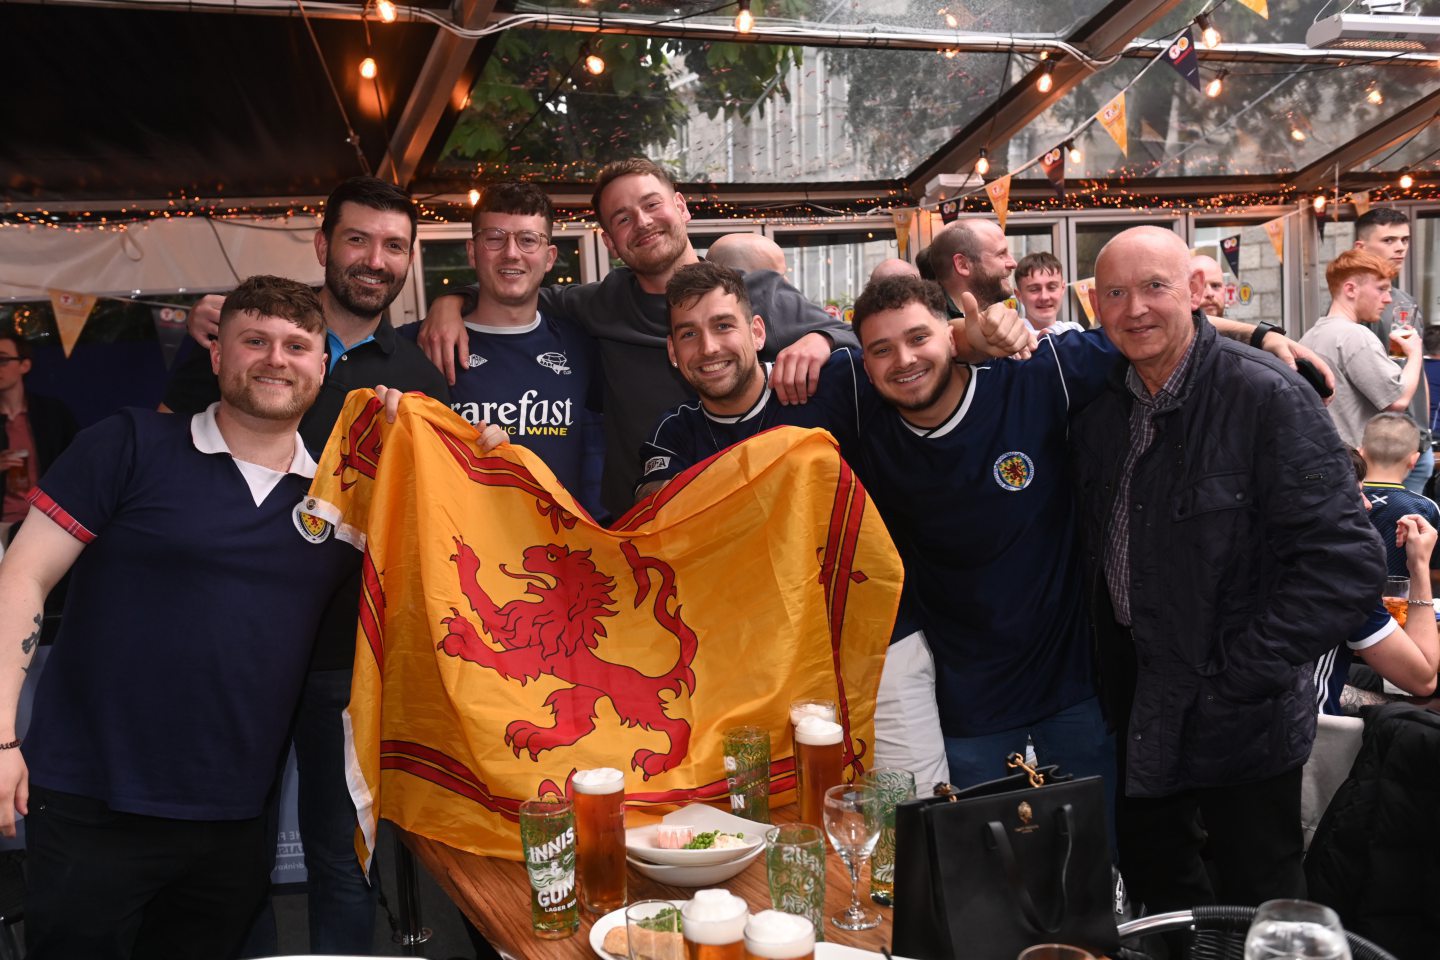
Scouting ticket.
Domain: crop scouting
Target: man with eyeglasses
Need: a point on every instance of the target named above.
(526, 370)
(33, 431)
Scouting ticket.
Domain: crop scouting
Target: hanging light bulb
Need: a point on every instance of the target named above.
(1046, 83)
(1073, 152)
(594, 64)
(1209, 36)
(1319, 204)
(744, 20)
(1216, 84)
(1406, 181)
(474, 196)
(1297, 134)
(982, 165)
(951, 54)
(1375, 96)
(368, 68)
(386, 9)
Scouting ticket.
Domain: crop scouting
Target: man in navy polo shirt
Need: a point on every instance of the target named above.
(161, 719)
(365, 242)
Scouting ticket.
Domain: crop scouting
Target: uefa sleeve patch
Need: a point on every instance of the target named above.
(655, 463)
(1014, 471)
(311, 527)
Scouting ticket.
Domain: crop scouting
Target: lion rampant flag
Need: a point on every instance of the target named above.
(507, 641)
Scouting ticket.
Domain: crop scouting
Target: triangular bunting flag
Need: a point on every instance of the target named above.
(1082, 292)
(1230, 247)
(999, 193)
(1259, 6)
(169, 330)
(1275, 229)
(949, 210)
(1112, 118)
(1362, 202)
(902, 220)
(1053, 163)
(1183, 58)
(71, 312)
(1320, 224)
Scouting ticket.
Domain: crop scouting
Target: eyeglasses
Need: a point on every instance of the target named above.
(5, 360)
(527, 241)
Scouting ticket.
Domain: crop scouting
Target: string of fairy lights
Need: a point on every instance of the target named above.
(1088, 193)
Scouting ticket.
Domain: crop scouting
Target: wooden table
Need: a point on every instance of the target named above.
(495, 895)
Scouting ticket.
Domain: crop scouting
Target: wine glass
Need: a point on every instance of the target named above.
(852, 821)
(1295, 930)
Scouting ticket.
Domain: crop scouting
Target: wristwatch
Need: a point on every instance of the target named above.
(1262, 328)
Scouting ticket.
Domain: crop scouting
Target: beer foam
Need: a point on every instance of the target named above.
(715, 917)
(598, 780)
(775, 935)
(815, 732)
(798, 711)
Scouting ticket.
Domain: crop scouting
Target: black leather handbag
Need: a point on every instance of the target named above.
(983, 873)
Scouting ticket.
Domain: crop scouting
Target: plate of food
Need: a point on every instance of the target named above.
(609, 940)
(695, 836)
(696, 875)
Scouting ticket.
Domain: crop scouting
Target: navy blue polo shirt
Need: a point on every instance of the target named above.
(1388, 503)
(190, 619)
(981, 510)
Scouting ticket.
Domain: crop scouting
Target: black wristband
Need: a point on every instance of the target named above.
(1262, 328)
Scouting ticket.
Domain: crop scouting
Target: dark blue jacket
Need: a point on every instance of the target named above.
(1250, 556)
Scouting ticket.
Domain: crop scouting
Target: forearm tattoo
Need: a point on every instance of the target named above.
(27, 646)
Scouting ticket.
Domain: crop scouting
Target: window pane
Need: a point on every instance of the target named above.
(1258, 291)
(832, 267)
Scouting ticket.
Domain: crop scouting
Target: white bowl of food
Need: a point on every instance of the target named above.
(690, 845)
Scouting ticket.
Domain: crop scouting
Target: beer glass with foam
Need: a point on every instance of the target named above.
(713, 922)
(818, 754)
(773, 935)
(600, 838)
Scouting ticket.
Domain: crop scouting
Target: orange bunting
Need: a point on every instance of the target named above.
(1275, 230)
(1082, 293)
(71, 312)
(1112, 118)
(999, 193)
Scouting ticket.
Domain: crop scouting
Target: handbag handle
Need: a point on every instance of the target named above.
(999, 843)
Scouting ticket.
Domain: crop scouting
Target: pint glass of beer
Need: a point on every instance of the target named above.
(714, 926)
(817, 765)
(1397, 595)
(600, 838)
(772, 935)
(547, 839)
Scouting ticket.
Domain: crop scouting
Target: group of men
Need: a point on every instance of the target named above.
(1098, 528)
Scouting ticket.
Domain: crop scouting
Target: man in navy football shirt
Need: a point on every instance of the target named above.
(529, 371)
(163, 714)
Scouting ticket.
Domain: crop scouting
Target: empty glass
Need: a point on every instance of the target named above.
(852, 821)
(1295, 930)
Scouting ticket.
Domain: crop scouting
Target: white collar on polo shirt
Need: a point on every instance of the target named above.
(205, 434)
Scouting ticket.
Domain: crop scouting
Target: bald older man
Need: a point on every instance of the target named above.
(747, 252)
(894, 267)
(1212, 285)
(1228, 551)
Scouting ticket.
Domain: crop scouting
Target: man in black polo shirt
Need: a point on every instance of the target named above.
(365, 243)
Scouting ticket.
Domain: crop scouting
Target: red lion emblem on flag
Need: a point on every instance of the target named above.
(554, 628)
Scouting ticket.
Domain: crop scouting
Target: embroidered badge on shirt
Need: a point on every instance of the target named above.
(474, 361)
(554, 360)
(311, 527)
(1014, 471)
(655, 463)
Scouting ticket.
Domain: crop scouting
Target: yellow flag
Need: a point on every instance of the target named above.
(1112, 118)
(1275, 229)
(1259, 6)
(1362, 202)
(506, 640)
(998, 191)
(1082, 293)
(902, 220)
(71, 312)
